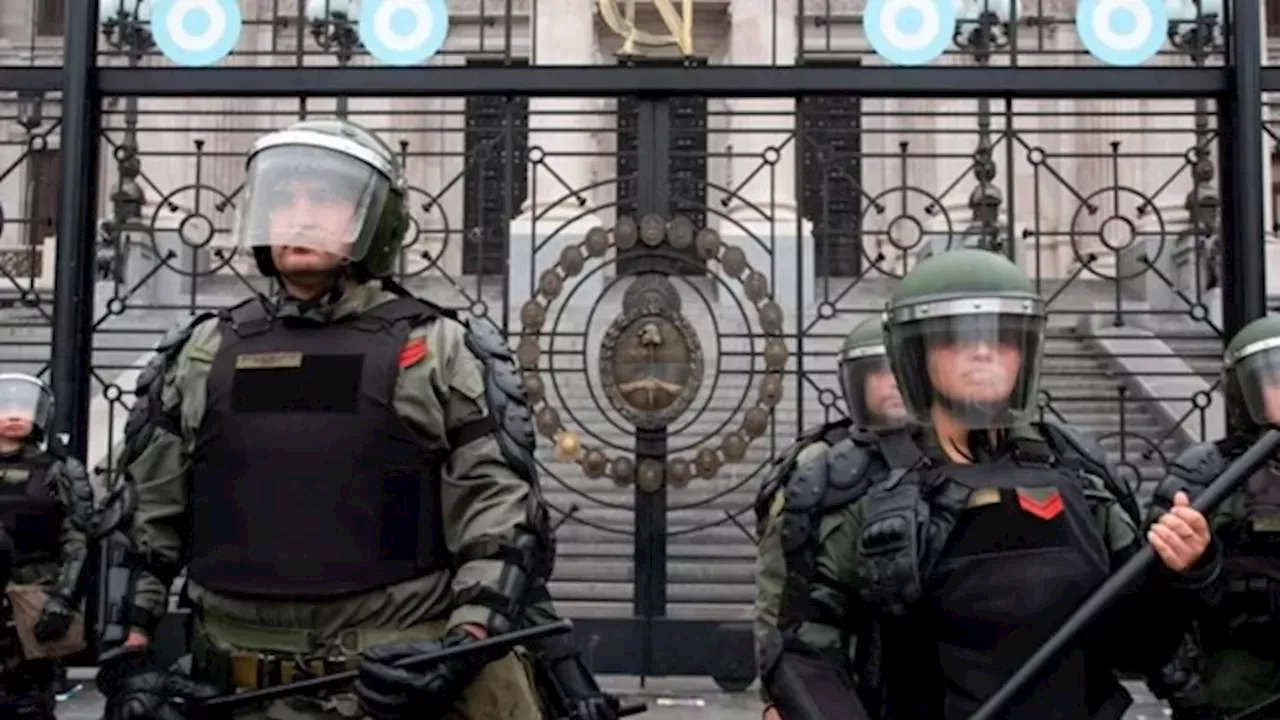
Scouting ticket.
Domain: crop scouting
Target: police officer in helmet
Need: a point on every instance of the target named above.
(871, 395)
(1229, 664)
(344, 471)
(46, 517)
(949, 550)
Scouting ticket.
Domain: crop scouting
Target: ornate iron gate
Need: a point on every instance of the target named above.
(675, 248)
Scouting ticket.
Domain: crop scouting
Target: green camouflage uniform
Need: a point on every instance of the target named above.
(481, 497)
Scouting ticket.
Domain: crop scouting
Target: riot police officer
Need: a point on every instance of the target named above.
(46, 517)
(950, 549)
(871, 395)
(345, 471)
(1230, 663)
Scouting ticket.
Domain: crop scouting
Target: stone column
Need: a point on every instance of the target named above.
(762, 220)
(562, 143)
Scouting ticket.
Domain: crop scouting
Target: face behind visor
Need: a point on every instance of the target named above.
(25, 401)
(1252, 366)
(866, 380)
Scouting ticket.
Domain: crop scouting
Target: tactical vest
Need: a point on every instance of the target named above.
(976, 566)
(30, 512)
(1251, 561)
(306, 483)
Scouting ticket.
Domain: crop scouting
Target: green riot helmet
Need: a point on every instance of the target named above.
(1251, 364)
(326, 185)
(965, 331)
(870, 390)
(26, 407)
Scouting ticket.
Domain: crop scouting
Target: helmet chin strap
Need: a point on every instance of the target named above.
(976, 415)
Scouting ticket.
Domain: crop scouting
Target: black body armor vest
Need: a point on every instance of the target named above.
(29, 511)
(1008, 549)
(1251, 560)
(307, 484)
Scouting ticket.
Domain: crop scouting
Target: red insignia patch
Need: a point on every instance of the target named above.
(1047, 509)
(413, 352)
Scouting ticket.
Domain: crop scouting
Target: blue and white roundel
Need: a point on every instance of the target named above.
(909, 32)
(1122, 32)
(403, 32)
(196, 33)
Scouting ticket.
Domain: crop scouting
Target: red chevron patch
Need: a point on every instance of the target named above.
(1046, 509)
(413, 352)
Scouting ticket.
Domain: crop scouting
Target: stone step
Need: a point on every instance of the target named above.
(676, 592)
(621, 549)
(675, 610)
(719, 535)
(739, 572)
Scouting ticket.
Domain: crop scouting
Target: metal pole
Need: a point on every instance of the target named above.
(74, 275)
(1244, 296)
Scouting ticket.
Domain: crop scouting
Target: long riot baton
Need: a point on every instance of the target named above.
(226, 704)
(1128, 575)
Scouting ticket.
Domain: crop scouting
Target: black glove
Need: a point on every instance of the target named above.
(55, 620)
(389, 693)
(583, 698)
(136, 690)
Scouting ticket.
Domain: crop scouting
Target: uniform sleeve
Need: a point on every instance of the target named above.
(491, 509)
(75, 493)
(158, 438)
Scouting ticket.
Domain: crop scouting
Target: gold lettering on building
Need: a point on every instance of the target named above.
(623, 23)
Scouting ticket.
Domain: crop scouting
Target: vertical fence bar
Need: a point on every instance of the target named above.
(77, 226)
(1244, 292)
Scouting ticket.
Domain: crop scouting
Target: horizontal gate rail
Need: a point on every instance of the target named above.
(725, 81)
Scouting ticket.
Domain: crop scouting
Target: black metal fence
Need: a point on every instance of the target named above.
(727, 217)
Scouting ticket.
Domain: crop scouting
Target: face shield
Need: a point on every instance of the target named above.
(979, 359)
(307, 192)
(1257, 371)
(24, 399)
(870, 389)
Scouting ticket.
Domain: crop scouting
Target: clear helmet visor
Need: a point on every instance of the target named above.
(870, 390)
(1258, 375)
(982, 369)
(306, 199)
(24, 399)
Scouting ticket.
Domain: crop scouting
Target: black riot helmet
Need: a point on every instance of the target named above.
(26, 397)
(965, 332)
(867, 381)
(328, 185)
(1251, 366)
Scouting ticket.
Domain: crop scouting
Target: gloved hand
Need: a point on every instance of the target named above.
(136, 690)
(390, 693)
(583, 698)
(597, 706)
(54, 621)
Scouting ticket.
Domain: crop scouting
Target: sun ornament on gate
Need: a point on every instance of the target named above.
(651, 361)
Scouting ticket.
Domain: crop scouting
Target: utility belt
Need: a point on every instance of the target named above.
(236, 655)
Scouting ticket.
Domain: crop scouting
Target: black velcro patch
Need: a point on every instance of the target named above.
(321, 383)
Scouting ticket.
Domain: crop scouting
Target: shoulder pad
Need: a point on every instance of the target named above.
(1191, 472)
(847, 463)
(485, 339)
(1072, 445)
(167, 351)
(1199, 464)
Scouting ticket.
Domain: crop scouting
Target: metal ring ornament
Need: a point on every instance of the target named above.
(622, 469)
(1122, 32)
(910, 32)
(196, 33)
(403, 32)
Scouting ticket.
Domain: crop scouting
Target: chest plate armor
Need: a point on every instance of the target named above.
(29, 511)
(1004, 552)
(306, 482)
